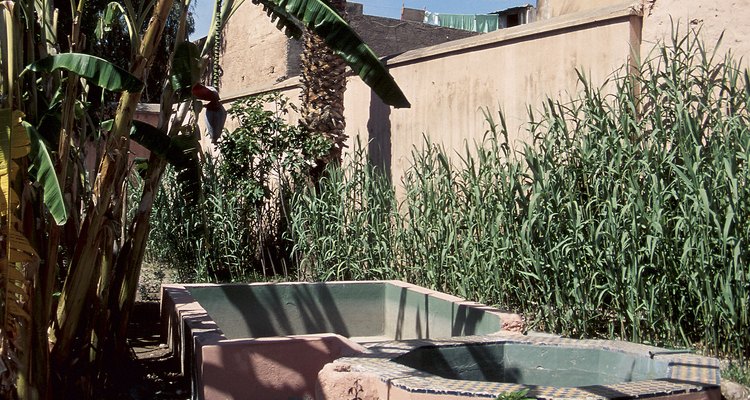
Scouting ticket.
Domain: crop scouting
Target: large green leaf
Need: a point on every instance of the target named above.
(98, 71)
(181, 151)
(43, 171)
(113, 13)
(149, 137)
(186, 69)
(319, 17)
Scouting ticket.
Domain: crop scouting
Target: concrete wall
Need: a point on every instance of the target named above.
(255, 53)
(449, 84)
(270, 339)
(712, 17)
(267, 310)
(257, 56)
(546, 9)
(364, 311)
(416, 313)
(388, 36)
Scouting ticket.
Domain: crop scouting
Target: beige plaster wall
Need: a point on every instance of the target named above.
(449, 85)
(547, 9)
(255, 54)
(712, 17)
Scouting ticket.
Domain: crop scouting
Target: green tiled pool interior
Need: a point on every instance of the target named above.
(528, 364)
(362, 311)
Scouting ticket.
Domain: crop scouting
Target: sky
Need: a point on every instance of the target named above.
(382, 8)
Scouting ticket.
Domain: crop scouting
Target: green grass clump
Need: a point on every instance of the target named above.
(738, 373)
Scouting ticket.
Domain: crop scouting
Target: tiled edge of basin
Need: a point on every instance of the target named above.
(375, 376)
(219, 368)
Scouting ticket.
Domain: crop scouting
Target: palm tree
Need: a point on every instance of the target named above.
(323, 85)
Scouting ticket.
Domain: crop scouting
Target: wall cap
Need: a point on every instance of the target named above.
(526, 32)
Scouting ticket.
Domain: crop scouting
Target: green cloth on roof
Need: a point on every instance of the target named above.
(474, 23)
(487, 23)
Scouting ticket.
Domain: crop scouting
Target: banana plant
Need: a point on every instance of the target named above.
(19, 259)
(134, 18)
(20, 145)
(111, 177)
(91, 265)
(23, 330)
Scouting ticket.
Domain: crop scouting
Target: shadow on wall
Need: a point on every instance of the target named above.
(379, 131)
(269, 310)
(466, 321)
(273, 339)
(414, 329)
(348, 309)
(284, 367)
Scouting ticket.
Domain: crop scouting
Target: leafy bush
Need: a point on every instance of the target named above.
(235, 233)
(264, 150)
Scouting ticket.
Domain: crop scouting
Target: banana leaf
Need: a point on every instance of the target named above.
(43, 171)
(97, 71)
(282, 19)
(113, 13)
(181, 151)
(186, 70)
(319, 17)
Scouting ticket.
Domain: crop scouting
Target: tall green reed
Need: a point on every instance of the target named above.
(343, 230)
(626, 216)
(221, 239)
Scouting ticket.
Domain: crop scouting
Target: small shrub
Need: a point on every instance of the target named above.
(519, 395)
(737, 372)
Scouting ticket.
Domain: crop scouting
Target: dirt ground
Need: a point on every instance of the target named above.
(153, 373)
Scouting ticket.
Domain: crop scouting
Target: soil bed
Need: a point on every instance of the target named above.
(152, 372)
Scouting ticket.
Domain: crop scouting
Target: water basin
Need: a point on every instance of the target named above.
(541, 366)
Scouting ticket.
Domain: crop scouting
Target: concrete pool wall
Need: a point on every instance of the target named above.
(271, 340)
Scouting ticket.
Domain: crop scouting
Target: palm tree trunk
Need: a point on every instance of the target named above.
(323, 86)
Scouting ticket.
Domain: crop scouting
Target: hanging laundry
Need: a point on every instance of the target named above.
(475, 23)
